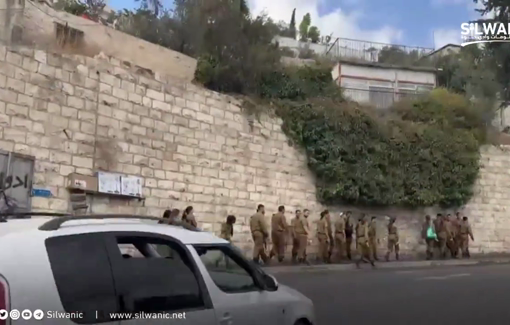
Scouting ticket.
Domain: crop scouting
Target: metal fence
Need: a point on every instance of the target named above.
(369, 51)
(379, 98)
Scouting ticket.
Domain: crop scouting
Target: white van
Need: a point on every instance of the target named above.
(73, 270)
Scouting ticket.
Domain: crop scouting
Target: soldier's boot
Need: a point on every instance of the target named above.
(387, 257)
(397, 257)
(271, 254)
(372, 263)
(280, 259)
(358, 264)
(294, 258)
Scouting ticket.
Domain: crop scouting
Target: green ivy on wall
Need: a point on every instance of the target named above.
(421, 152)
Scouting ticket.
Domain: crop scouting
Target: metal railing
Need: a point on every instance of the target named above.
(370, 51)
(379, 98)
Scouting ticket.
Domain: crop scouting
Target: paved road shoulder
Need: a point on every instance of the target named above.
(388, 265)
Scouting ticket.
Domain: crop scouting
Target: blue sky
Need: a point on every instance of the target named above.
(425, 23)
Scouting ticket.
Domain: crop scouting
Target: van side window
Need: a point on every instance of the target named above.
(228, 270)
(157, 278)
(82, 273)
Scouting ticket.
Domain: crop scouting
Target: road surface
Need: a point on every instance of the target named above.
(434, 296)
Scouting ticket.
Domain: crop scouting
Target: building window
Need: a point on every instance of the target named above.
(381, 97)
(16, 34)
(68, 36)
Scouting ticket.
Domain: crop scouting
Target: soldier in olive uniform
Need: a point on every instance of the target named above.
(302, 230)
(362, 243)
(430, 241)
(322, 236)
(279, 230)
(227, 228)
(260, 234)
(393, 240)
(340, 241)
(329, 230)
(372, 238)
(458, 240)
(452, 233)
(295, 241)
(465, 233)
(349, 231)
(442, 234)
(306, 214)
(227, 232)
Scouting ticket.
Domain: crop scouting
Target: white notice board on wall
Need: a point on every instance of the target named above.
(131, 185)
(109, 183)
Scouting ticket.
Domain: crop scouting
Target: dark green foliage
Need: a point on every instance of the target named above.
(422, 153)
(417, 156)
(398, 56)
(74, 7)
(292, 26)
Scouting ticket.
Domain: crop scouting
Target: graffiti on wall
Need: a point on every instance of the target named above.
(9, 204)
(13, 181)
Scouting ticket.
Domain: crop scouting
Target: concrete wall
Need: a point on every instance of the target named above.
(392, 84)
(361, 72)
(11, 14)
(191, 146)
(39, 28)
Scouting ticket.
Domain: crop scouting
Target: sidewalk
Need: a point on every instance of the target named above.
(502, 259)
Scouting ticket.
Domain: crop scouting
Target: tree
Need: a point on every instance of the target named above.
(396, 55)
(73, 7)
(92, 8)
(308, 33)
(292, 25)
(470, 73)
(314, 34)
(303, 27)
(154, 6)
(499, 52)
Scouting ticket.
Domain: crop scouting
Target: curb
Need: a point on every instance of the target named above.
(384, 265)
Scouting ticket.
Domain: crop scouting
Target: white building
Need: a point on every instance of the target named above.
(381, 85)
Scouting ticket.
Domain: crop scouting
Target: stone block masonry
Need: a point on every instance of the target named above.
(190, 145)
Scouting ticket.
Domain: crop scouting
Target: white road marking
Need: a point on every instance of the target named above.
(446, 277)
(405, 272)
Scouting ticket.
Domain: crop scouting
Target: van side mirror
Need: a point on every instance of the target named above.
(270, 282)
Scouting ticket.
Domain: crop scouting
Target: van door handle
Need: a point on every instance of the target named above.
(226, 319)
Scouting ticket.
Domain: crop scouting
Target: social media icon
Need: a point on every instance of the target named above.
(14, 314)
(38, 314)
(3, 314)
(26, 314)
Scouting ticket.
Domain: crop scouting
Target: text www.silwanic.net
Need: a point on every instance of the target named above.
(143, 315)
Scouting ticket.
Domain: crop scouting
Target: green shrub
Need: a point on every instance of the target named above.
(422, 152)
(362, 160)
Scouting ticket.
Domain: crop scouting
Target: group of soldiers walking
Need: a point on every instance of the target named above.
(447, 234)
(335, 239)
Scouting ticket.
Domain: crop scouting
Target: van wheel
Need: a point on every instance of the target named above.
(302, 322)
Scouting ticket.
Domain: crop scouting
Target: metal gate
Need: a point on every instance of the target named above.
(16, 175)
